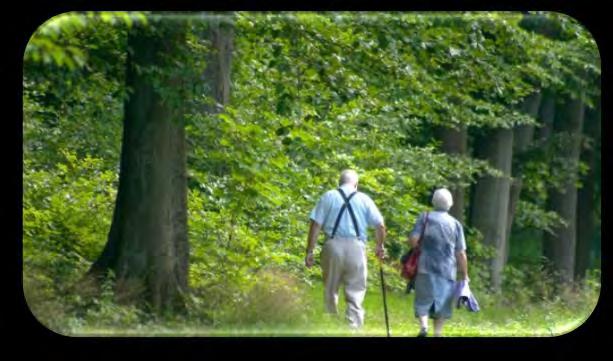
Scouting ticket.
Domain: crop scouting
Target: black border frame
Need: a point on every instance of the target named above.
(18, 324)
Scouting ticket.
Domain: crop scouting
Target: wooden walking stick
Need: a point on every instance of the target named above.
(387, 325)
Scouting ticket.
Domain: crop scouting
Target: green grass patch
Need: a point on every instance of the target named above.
(494, 320)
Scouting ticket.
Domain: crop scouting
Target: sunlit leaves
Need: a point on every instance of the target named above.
(56, 41)
(530, 215)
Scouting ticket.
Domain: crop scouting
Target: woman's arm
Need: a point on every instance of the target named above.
(412, 240)
(462, 265)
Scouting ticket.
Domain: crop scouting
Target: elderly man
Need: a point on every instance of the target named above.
(344, 214)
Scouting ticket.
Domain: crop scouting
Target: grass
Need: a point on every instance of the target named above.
(492, 321)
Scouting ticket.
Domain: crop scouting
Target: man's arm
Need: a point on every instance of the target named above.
(311, 240)
(462, 265)
(374, 218)
(380, 234)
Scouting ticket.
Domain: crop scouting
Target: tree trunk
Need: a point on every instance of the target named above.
(546, 116)
(569, 122)
(586, 214)
(491, 197)
(522, 139)
(453, 141)
(147, 244)
(216, 78)
(217, 74)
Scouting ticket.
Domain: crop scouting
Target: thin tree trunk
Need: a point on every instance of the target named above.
(217, 74)
(453, 141)
(522, 139)
(569, 122)
(147, 245)
(586, 216)
(491, 197)
(546, 116)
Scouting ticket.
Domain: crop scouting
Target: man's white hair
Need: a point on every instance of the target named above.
(442, 199)
(348, 176)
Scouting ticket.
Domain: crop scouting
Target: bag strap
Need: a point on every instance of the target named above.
(423, 230)
(346, 205)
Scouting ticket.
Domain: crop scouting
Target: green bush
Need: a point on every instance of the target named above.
(214, 303)
(275, 297)
(44, 302)
(66, 215)
(478, 256)
(535, 286)
(105, 311)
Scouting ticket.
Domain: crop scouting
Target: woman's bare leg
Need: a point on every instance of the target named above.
(423, 324)
(438, 326)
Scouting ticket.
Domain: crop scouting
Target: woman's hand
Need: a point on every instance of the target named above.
(412, 241)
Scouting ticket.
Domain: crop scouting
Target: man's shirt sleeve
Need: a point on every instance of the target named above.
(318, 214)
(374, 216)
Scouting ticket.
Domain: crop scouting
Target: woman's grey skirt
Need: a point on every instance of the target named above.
(433, 295)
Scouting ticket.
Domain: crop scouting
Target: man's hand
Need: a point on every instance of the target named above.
(380, 252)
(311, 240)
(308, 260)
(380, 233)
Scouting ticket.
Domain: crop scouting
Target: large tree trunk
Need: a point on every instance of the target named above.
(491, 197)
(586, 214)
(569, 122)
(522, 139)
(453, 141)
(147, 245)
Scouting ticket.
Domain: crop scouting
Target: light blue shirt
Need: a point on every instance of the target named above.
(366, 213)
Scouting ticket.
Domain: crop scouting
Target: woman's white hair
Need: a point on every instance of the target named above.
(348, 176)
(442, 199)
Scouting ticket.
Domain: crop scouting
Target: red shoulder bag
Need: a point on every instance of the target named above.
(410, 259)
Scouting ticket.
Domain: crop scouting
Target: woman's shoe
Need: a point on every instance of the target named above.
(423, 332)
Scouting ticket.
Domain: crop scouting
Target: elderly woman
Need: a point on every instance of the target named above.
(442, 256)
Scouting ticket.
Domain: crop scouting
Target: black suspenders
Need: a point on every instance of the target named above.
(347, 205)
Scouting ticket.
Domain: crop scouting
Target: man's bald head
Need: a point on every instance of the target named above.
(348, 177)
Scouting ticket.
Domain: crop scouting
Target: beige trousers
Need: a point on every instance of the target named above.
(343, 262)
